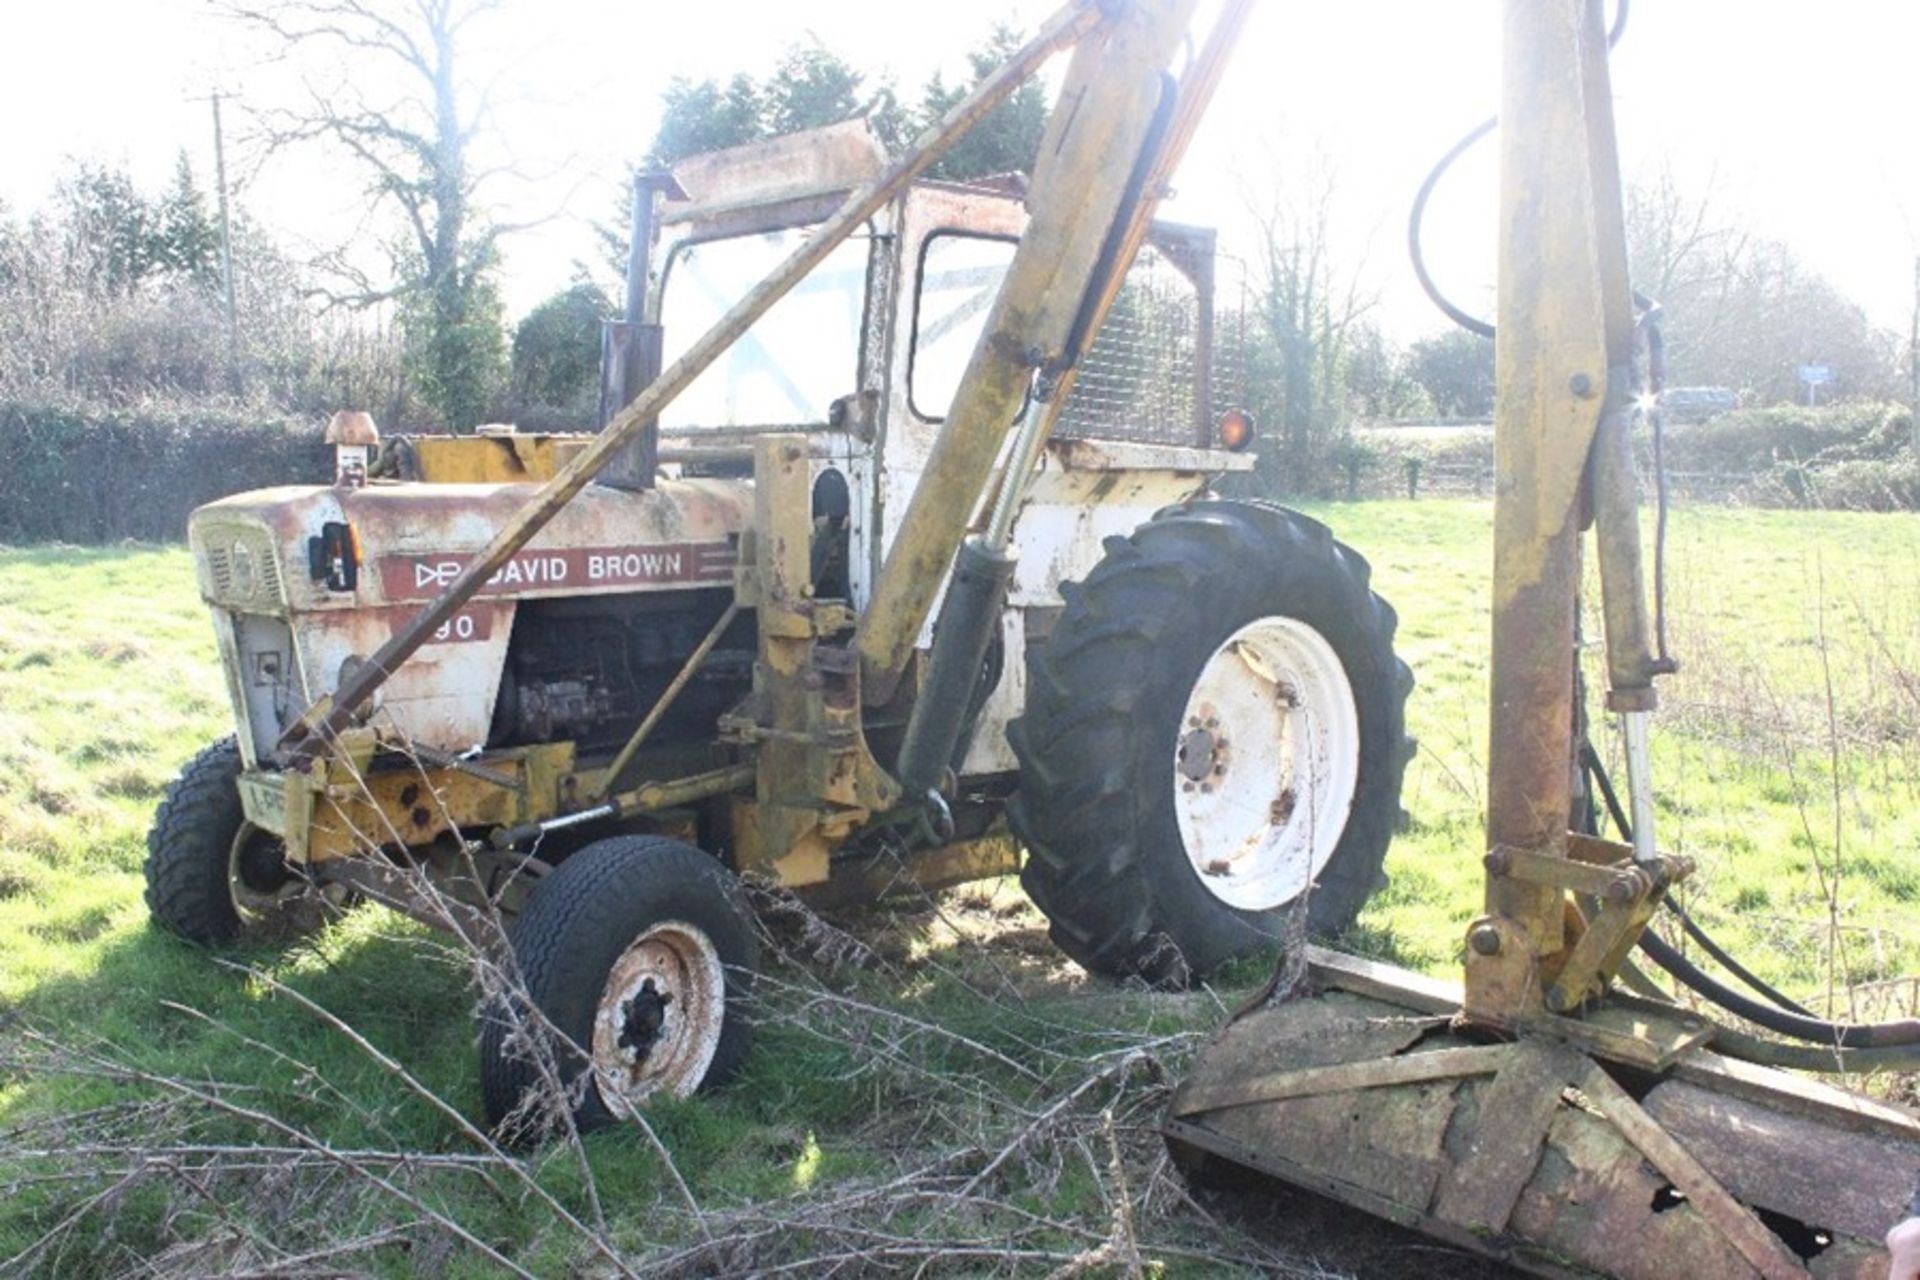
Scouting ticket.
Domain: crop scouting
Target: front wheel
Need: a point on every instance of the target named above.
(1215, 728)
(636, 957)
(213, 877)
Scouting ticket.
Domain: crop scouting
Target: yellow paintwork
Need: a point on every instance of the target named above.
(495, 459)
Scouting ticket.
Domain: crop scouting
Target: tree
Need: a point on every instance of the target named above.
(1455, 369)
(812, 86)
(1741, 310)
(702, 116)
(417, 154)
(110, 228)
(1306, 307)
(1008, 139)
(556, 351)
(187, 240)
(1379, 384)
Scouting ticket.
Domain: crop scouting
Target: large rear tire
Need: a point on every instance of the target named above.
(1215, 727)
(637, 955)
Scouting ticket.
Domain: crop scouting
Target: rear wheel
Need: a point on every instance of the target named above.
(1215, 728)
(636, 955)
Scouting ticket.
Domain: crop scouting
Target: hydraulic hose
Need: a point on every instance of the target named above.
(1597, 771)
(1470, 323)
(1901, 1034)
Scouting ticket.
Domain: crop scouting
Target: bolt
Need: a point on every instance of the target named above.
(1186, 786)
(1581, 385)
(1497, 862)
(1484, 939)
(1219, 771)
(1212, 723)
(1559, 1001)
(1620, 890)
(1206, 788)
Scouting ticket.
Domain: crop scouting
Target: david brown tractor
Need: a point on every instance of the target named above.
(896, 556)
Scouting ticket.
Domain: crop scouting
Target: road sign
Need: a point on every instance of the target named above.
(1816, 375)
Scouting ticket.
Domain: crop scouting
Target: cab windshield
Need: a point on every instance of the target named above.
(796, 360)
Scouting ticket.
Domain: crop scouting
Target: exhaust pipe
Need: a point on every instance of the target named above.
(630, 348)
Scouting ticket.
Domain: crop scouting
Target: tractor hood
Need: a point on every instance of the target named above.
(255, 551)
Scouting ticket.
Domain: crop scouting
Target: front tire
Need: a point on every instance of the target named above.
(637, 955)
(1215, 727)
(212, 877)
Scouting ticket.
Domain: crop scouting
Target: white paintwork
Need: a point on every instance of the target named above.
(681, 962)
(1268, 756)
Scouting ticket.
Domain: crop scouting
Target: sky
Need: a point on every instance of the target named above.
(1788, 114)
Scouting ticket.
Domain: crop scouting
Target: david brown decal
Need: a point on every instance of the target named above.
(421, 577)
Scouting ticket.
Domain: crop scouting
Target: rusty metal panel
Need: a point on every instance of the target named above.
(493, 457)
(1806, 1168)
(814, 162)
(1591, 1201)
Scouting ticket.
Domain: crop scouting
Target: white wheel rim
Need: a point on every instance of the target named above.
(1265, 762)
(658, 1024)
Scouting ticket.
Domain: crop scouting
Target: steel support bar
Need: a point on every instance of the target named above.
(1551, 359)
(1087, 160)
(308, 736)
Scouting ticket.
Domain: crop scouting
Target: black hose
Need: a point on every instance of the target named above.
(1471, 324)
(1800, 1026)
(1597, 771)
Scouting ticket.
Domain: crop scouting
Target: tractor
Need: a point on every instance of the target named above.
(908, 573)
(897, 559)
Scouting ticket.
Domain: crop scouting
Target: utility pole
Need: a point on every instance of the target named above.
(226, 246)
(1913, 361)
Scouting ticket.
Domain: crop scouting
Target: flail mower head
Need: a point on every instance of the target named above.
(1536, 1113)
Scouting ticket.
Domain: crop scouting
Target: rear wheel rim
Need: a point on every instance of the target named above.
(658, 1024)
(1265, 763)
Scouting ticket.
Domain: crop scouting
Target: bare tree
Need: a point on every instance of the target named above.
(416, 147)
(1743, 310)
(1309, 302)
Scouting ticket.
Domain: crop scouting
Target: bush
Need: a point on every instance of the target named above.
(1756, 441)
(99, 475)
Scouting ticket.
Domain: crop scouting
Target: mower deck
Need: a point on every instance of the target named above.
(1552, 1149)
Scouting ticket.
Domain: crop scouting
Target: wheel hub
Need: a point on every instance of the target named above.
(258, 877)
(643, 1019)
(660, 1015)
(1202, 755)
(1261, 820)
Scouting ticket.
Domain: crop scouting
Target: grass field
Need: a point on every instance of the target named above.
(932, 1078)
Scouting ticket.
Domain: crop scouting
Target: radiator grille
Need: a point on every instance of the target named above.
(241, 567)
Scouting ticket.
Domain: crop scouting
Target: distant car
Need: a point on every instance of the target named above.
(1697, 404)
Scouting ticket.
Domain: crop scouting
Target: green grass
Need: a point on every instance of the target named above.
(1769, 610)
(108, 683)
